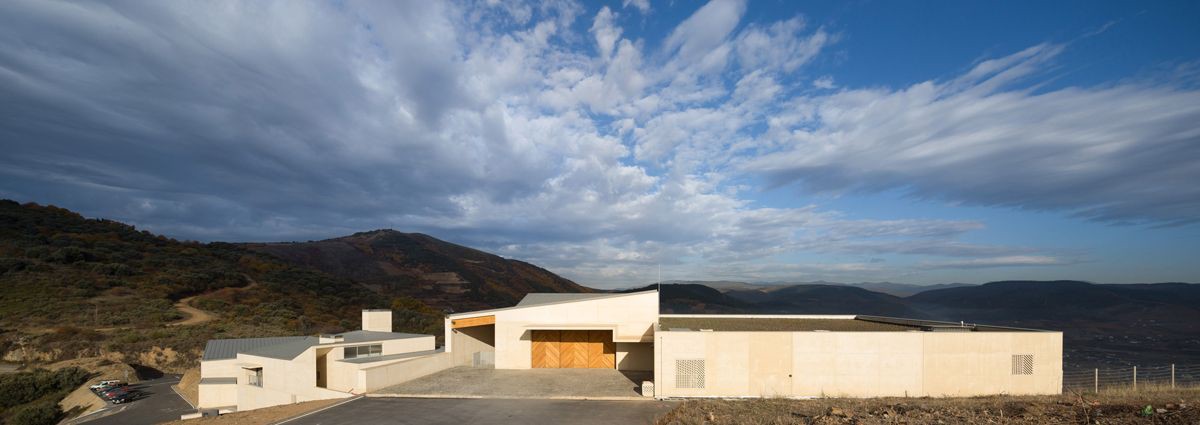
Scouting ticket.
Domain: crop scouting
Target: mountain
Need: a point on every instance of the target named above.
(441, 274)
(827, 299)
(694, 298)
(72, 286)
(890, 288)
(904, 289)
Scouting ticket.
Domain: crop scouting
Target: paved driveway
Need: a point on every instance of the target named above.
(439, 411)
(156, 404)
(595, 384)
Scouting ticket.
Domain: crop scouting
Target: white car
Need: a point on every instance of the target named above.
(105, 384)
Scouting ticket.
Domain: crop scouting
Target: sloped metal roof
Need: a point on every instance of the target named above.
(548, 298)
(222, 349)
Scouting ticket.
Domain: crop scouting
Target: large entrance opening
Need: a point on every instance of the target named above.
(573, 349)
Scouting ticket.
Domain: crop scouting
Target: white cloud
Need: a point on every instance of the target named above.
(490, 123)
(1116, 153)
(825, 82)
(642, 6)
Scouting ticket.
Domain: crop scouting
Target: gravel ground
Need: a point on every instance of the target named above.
(1169, 407)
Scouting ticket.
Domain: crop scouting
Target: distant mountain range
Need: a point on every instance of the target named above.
(890, 288)
(1103, 324)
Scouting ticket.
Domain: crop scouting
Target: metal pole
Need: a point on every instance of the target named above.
(1172, 375)
(1096, 380)
(1135, 378)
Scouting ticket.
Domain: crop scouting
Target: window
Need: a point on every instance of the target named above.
(255, 376)
(689, 373)
(362, 351)
(1022, 364)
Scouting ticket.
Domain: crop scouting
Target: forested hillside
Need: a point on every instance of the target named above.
(72, 286)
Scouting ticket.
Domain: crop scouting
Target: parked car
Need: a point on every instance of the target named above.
(106, 385)
(115, 392)
(122, 397)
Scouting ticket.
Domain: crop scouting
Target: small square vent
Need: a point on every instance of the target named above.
(1022, 364)
(689, 373)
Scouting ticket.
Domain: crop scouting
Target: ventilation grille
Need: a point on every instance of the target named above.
(1022, 364)
(689, 373)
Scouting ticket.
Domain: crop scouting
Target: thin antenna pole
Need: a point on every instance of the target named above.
(660, 277)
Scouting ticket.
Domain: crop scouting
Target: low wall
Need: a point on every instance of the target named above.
(856, 364)
(383, 376)
(218, 395)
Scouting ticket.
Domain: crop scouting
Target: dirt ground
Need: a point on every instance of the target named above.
(189, 385)
(82, 398)
(264, 416)
(194, 315)
(1167, 407)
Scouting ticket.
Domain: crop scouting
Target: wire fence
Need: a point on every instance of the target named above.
(1132, 378)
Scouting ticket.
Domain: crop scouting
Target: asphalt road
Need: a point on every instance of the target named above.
(156, 404)
(441, 411)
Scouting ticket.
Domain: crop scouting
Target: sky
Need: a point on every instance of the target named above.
(617, 143)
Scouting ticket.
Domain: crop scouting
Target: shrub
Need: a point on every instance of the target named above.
(40, 413)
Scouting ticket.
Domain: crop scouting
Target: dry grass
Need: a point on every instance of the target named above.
(189, 385)
(1177, 407)
(263, 416)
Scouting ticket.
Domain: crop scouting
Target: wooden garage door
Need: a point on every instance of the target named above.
(574, 349)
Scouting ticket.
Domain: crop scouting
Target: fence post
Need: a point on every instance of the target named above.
(1135, 378)
(1096, 380)
(1172, 375)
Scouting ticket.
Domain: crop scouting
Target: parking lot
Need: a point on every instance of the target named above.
(155, 403)
(440, 411)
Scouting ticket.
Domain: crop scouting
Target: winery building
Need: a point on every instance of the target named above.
(688, 355)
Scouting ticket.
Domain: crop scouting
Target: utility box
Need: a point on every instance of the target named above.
(647, 388)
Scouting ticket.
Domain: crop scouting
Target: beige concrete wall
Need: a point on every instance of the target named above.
(284, 382)
(468, 341)
(635, 356)
(220, 395)
(344, 376)
(632, 316)
(377, 377)
(377, 320)
(219, 368)
(860, 364)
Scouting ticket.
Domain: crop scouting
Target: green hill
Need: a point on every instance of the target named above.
(72, 286)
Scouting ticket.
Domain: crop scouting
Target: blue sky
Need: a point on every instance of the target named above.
(925, 142)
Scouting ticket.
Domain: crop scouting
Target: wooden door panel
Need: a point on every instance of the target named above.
(573, 349)
(602, 352)
(546, 350)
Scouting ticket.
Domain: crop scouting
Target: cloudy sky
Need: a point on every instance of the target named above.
(925, 142)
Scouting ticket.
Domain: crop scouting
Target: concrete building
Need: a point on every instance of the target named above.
(251, 373)
(689, 355)
(760, 355)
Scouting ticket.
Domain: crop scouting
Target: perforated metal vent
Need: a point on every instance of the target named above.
(689, 373)
(1022, 364)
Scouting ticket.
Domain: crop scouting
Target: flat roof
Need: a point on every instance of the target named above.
(744, 324)
(288, 347)
(766, 323)
(362, 360)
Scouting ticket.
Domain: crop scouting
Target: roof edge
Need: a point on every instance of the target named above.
(489, 311)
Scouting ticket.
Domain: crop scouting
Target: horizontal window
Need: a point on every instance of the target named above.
(362, 351)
